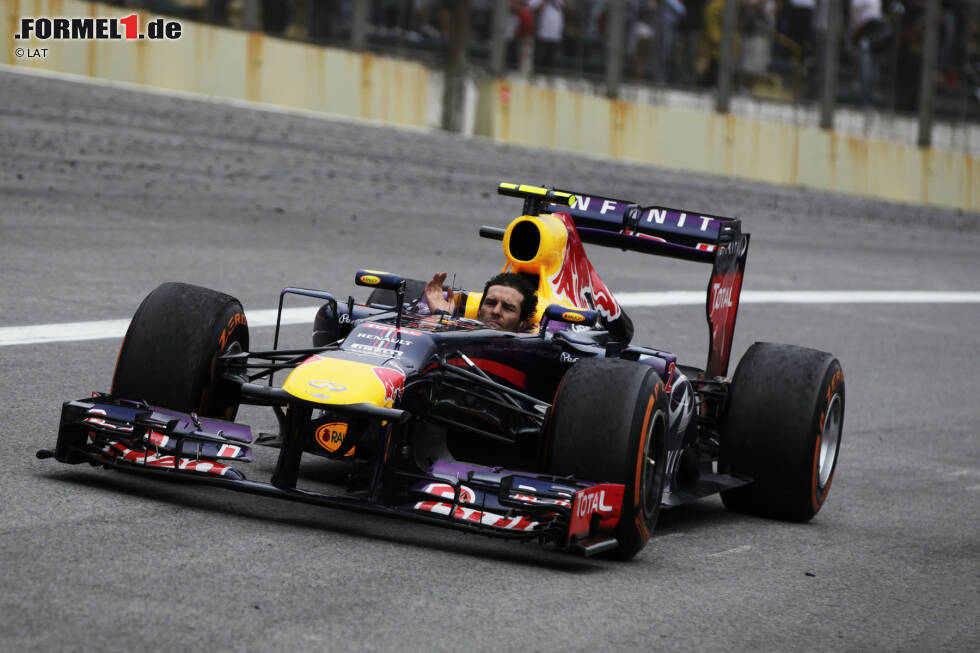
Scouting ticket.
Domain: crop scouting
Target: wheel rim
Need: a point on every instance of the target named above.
(651, 482)
(829, 440)
(222, 401)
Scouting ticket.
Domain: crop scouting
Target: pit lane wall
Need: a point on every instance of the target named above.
(249, 66)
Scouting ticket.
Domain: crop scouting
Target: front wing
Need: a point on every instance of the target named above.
(574, 514)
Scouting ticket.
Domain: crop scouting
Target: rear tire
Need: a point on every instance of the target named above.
(609, 424)
(783, 428)
(167, 357)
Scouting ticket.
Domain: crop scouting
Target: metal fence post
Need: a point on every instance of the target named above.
(927, 89)
(659, 51)
(498, 36)
(831, 63)
(616, 31)
(251, 15)
(216, 12)
(454, 90)
(359, 23)
(726, 60)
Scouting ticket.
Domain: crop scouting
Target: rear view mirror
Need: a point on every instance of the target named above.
(376, 279)
(579, 316)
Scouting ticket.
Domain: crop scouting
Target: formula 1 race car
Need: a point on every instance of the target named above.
(565, 433)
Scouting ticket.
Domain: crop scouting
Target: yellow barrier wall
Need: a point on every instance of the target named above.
(228, 63)
(516, 112)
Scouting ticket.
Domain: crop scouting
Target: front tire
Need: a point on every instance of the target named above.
(167, 357)
(609, 424)
(783, 428)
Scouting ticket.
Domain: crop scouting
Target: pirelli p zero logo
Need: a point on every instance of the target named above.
(238, 319)
(97, 29)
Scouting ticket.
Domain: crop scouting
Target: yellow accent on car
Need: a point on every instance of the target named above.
(472, 307)
(569, 316)
(370, 280)
(551, 245)
(336, 381)
(537, 190)
(568, 197)
(545, 263)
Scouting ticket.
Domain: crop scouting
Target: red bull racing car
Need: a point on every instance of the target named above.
(566, 433)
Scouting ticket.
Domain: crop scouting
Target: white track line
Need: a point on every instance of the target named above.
(76, 331)
(688, 297)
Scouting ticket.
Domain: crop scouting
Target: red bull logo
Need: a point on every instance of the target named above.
(393, 381)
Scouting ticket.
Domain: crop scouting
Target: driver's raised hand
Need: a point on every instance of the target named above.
(434, 295)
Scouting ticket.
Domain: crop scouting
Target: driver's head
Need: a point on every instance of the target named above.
(509, 303)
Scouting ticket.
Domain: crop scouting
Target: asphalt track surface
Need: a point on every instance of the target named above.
(107, 192)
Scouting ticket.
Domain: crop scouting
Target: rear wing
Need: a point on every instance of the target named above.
(663, 231)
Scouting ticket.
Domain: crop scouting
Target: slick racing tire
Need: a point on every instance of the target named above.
(414, 290)
(167, 357)
(783, 429)
(609, 424)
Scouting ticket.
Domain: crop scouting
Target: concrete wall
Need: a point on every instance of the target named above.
(774, 145)
(230, 63)
(516, 111)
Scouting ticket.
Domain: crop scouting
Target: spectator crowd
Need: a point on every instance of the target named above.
(779, 44)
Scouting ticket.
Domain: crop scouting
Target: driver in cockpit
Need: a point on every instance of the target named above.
(509, 301)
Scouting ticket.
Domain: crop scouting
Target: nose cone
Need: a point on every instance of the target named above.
(340, 381)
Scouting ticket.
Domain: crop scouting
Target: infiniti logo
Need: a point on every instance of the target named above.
(329, 385)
